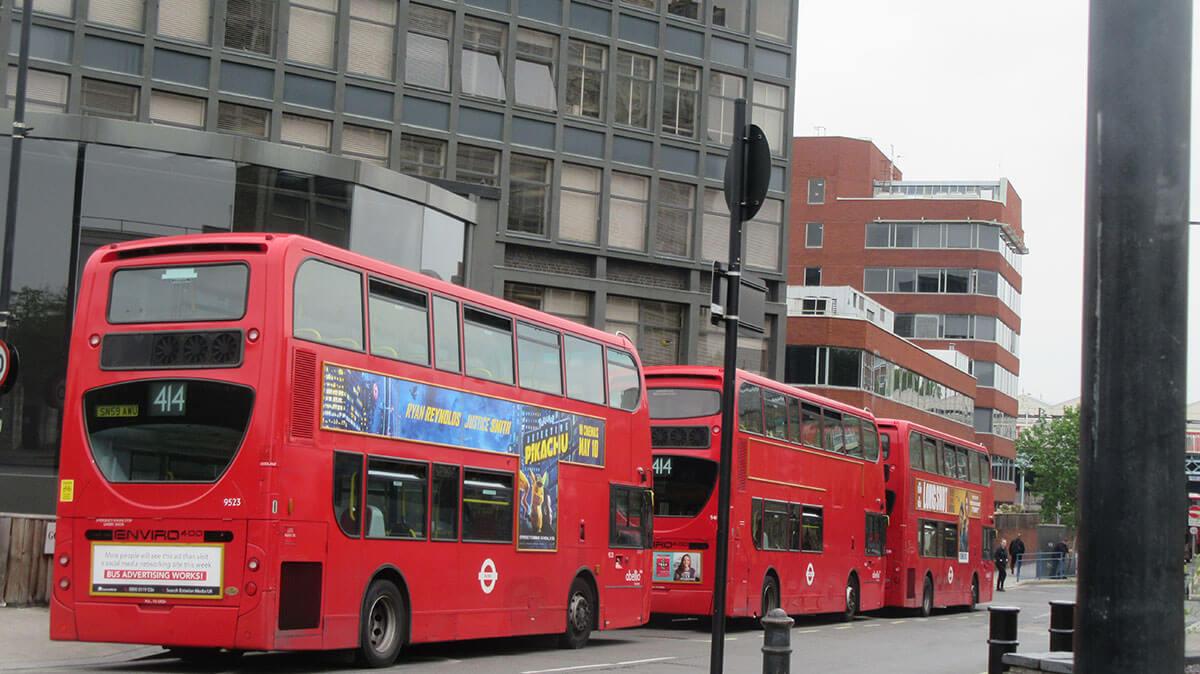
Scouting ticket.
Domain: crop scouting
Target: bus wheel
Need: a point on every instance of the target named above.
(851, 599)
(927, 598)
(581, 607)
(770, 595)
(974, 593)
(382, 625)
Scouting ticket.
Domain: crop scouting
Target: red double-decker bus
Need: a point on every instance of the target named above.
(941, 532)
(807, 521)
(272, 443)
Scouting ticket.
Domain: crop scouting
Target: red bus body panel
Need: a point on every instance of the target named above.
(907, 568)
(273, 502)
(810, 582)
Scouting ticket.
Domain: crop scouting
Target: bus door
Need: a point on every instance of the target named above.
(631, 530)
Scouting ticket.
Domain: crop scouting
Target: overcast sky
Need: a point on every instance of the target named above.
(965, 89)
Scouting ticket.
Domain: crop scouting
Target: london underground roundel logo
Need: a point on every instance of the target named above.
(488, 576)
(950, 575)
(810, 574)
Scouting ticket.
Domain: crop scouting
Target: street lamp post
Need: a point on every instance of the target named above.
(19, 130)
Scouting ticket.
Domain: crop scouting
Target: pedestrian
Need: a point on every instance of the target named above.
(1016, 550)
(1061, 550)
(1000, 558)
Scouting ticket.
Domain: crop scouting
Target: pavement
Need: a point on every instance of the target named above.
(25, 645)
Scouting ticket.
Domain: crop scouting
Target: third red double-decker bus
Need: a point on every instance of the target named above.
(941, 535)
(271, 443)
(807, 521)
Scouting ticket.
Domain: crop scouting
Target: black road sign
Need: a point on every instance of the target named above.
(758, 173)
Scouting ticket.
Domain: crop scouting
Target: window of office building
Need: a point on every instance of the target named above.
(628, 211)
(427, 47)
(573, 305)
(655, 327)
(714, 231)
(648, 4)
(772, 18)
(56, 7)
(770, 109)
(689, 9)
(422, 156)
(676, 212)
(366, 143)
(483, 58)
(635, 89)
(129, 14)
(579, 207)
(243, 120)
(762, 235)
(305, 132)
(586, 65)
(250, 26)
(371, 48)
(730, 13)
(478, 165)
(176, 110)
(814, 235)
(816, 190)
(184, 19)
(537, 54)
(528, 194)
(723, 89)
(312, 32)
(108, 99)
(812, 276)
(681, 89)
(44, 91)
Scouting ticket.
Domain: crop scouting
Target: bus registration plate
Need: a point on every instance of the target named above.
(139, 570)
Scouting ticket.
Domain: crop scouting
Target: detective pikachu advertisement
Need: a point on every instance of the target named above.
(371, 403)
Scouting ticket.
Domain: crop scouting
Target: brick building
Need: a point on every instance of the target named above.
(939, 264)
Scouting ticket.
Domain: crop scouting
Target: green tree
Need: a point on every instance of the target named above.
(1050, 449)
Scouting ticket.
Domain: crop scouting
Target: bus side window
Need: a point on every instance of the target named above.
(870, 441)
(488, 343)
(756, 508)
(985, 469)
(624, 385)
(972, 467)
(989, 543)
(328, 305)
(774, 414)
(775, 526)
(933, 462)
(793, 420)
(811, 435)
(585, 370)
(444, 503)
(885, 442)
(876, 534)
(794, 526)
(399, 323)
(539, 359)
(812, 538)
(929, 539)
(629, 518)
(487, 507)
(950, 541)
(445, 334)
(750, 416)
(834, 441)
(347, 492)
(962, 463)
(396, 499)
(851, 428)
(949, 460)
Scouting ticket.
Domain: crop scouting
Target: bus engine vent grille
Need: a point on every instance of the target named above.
(171, 350)
(304, 393)
(679, 437)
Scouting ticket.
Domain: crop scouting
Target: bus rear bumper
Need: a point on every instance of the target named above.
(681, 601)
(197, 626)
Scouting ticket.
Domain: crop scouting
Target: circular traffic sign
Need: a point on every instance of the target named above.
(1193, 512)
(488, 576)
(9, 362)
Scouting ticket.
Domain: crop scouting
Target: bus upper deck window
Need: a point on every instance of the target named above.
(214, 292)
(445, 335)
(487, 340)
(328, 305)
(399, 323)
(539, 359)
(624, 385)
(585, 370)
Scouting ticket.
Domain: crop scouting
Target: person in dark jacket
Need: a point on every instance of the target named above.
(1061, 550)
(1015, 550)
(1000, 558)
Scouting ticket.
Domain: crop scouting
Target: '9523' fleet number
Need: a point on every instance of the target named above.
(232, 502)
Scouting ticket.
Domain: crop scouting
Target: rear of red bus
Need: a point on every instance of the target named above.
(685, 416)
(165, 499)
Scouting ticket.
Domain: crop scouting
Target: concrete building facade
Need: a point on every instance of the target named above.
(576, 146)
(942, 257)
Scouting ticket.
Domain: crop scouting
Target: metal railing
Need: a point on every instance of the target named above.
(1046, 566)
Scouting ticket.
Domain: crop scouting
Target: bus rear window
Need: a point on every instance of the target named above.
(682, 485)
(683, 403)
(166, 430)
(215, 292)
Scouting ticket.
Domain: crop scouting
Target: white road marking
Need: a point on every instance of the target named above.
(644, 661)
(899, 622)
(807, 631)
(843, 627)
(579, 668)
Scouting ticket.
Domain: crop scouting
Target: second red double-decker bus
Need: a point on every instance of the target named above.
(807, 522)
(941, 534)
(273, 443)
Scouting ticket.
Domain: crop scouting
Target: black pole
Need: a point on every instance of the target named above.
(1132, 498)
(14, 169)
(1002, 636)
(1062, 625)
(777, 642)
(737, 155)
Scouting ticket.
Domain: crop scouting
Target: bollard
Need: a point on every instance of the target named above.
(1002, 635)
(1062, 625)
(777, 642)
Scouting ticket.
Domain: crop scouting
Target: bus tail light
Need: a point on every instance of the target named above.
(94, 341)
(65, 583)
(64, 560)
(716, 430)
(252, 564)
(251, 589)
(252, 335)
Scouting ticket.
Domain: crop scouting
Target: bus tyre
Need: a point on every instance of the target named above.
(927, 598)
(770, 595)
(383, 629)
(581, 611)
(851, 599)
